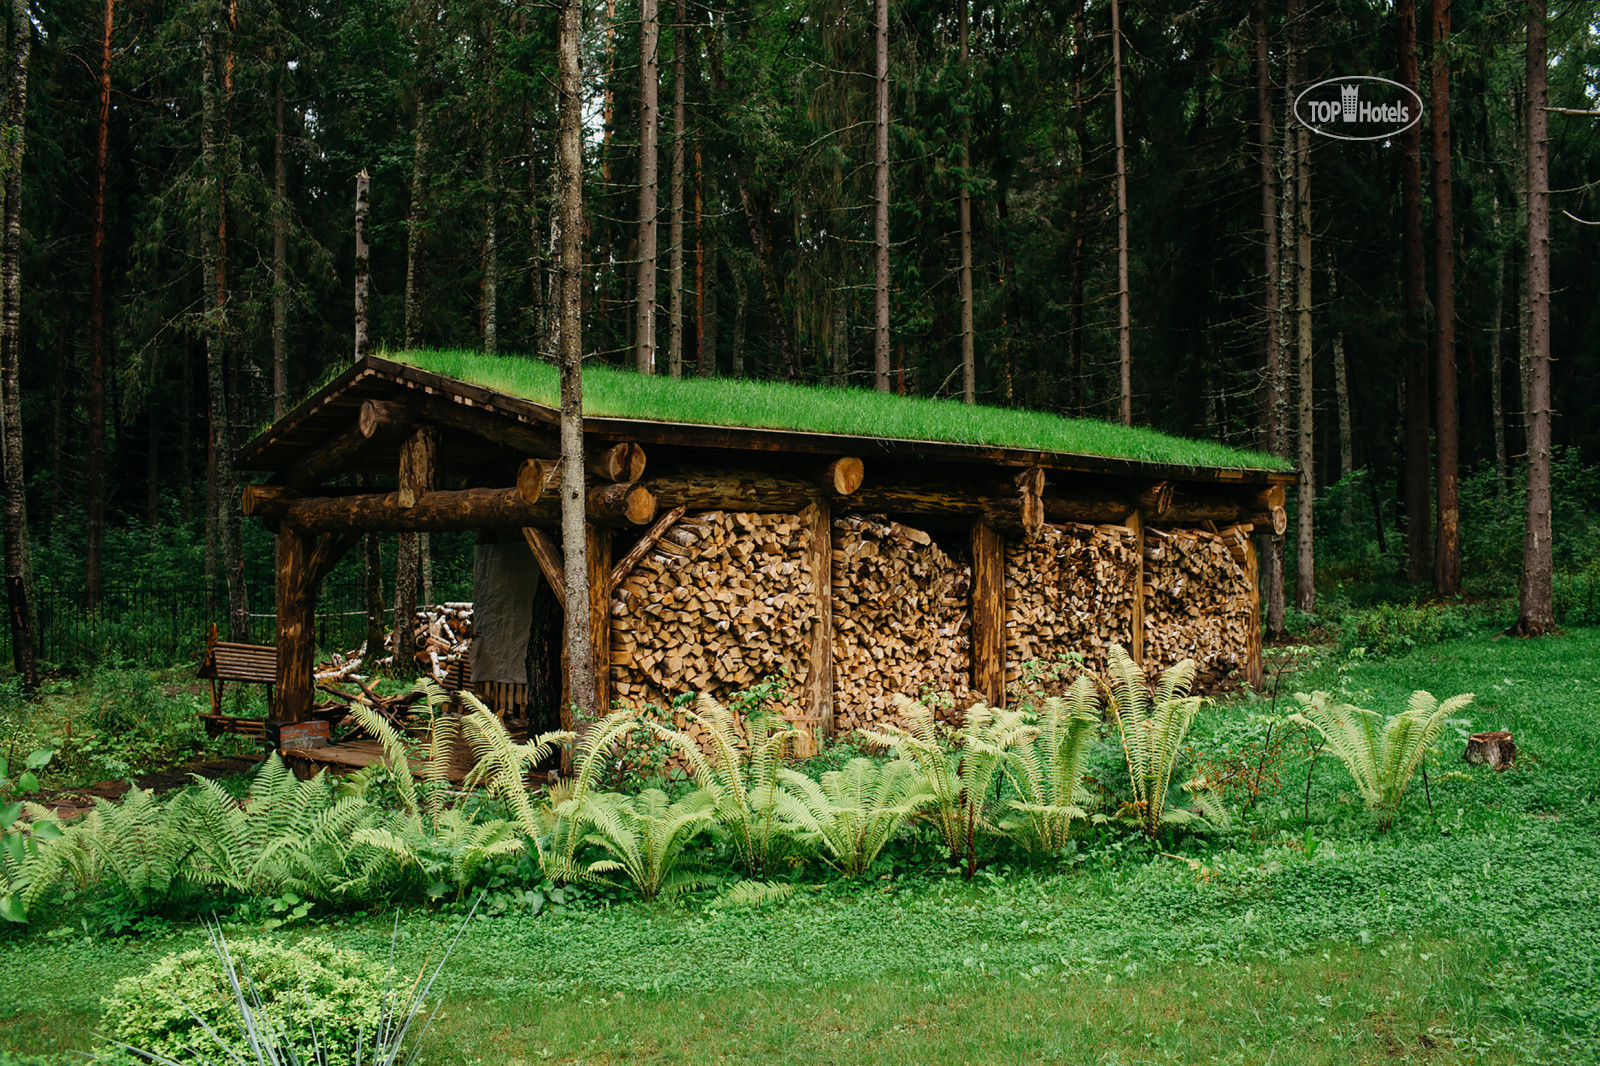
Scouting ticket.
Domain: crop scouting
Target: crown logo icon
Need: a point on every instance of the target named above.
(1347, 97)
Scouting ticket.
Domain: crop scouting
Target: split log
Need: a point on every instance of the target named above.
(1199, 603)
(1072, 589)
(1497, 749)
(620, 462)
(643, 547)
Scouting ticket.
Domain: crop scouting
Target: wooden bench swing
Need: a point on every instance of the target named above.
(224, 661)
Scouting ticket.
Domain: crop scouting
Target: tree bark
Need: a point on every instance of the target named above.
(569, 150)
(880, 185)
(741, 300)
(1413, 293)
(644, 309)
(1497, 407)
(1080, 209)
(416, 216)
(705, 362)
(363, 261)
(1305, 581)
(1341, 385)
(489, 287)
(18, 563)
(675, 223)
(1447, 548)
(280, 249)
(969, 365)
(1272, 306)
(1124, 329)
(1536, 615)
(97, 325)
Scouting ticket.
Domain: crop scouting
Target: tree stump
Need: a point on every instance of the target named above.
(1496, 749)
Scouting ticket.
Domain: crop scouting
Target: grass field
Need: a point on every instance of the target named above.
(815, 408)
(1467, 935)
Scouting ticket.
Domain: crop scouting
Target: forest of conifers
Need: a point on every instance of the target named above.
(180, 248)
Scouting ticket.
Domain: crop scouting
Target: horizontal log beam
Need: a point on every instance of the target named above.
(520, 437)
(442, 511)
(549, 560)
(620, 462)
(1018, 513)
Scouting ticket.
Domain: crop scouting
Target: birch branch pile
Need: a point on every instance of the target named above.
(443, 634)
(721, 601)
(1197, 602)
(1069, 589)
(901, 619)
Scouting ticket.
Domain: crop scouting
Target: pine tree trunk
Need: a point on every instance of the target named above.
(969, 364)
(363, 261)
(372, 582)
(280, 252)
(406, 573)
(1413, 294)
(644, 307)
(580, 657)
(1497, 406)
(1272, 371)
(489, 288)
(416, 220)
(1124, 326)
(880, 224)
(61, 399)
(18, 561)
(839, 337)
(1447, 548)
(97, 327)
(741, 302)
(1537, 613)
(705, 360)
(680, 31)
(1080, 209)
(1305, 581)
(1341, 386)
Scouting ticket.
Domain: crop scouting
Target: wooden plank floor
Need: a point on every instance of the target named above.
(352, 755)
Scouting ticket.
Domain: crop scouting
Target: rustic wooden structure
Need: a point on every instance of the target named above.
(857, 566)
(224, 661)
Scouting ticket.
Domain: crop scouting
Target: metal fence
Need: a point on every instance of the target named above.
(166, 625)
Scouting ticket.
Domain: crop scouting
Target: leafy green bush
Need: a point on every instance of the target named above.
(1393, 628)
(1381, 755)
(322, 996)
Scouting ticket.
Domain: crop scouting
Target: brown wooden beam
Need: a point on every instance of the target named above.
(1155, 501)
(631, 502)
(597, 553)
(521, 437)
(1017, 513)
(646, 542)
(459, 509)
(817, 697)
(296, 628)
(326, 555)
(1252, 565)
(380, 416)
(1135, 522)
(988, 614)
(549, 560)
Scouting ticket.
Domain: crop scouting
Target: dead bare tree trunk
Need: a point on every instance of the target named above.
(1124, 327)
(1537, 613)
(644, 309)
(880, 223)
(569, 149)
(363, 260)
(97, 326)
(1447, 547)
(18, 562)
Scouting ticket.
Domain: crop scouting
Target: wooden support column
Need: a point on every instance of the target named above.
(988, 614)
(1135, 522)
(1252, 565)
(297, 604)
(419, 465)
(597, 552)
(817, 700)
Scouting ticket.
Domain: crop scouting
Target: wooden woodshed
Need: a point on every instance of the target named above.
(858, 564)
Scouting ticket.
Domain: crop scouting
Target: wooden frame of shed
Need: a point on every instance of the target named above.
(463, 457)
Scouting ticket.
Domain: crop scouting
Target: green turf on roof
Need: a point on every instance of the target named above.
(819, 409)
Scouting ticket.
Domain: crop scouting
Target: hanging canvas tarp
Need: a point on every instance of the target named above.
(505, 578)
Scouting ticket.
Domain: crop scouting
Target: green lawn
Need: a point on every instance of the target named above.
(815, 408)
(1470, 935)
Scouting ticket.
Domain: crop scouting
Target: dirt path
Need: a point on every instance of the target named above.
(68, 803)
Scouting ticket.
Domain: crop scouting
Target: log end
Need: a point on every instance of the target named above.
(1280, 520)
(532, 476)
(844, 475)
(639, 505)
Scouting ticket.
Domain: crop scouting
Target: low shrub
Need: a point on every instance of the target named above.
(317, 992)
(1393, 628)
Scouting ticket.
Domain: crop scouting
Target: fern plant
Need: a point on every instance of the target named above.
(1382, 755)
(1047, 774)
(961, 766)
(740, 776)
(645, 835)
(1153, 725)
(852, 813)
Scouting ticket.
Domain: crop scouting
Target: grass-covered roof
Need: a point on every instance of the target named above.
(608, 392)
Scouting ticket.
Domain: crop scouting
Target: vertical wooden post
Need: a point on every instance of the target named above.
(1136, 624)
(419, 464)
(818, 697)
(597, 552)
(988, 614)
(1252, 666)
(296, 628)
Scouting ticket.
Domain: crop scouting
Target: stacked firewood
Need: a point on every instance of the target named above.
(901, 620)
(720, 602)
(443, 635)
(1197, 602)
(1069, 589)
